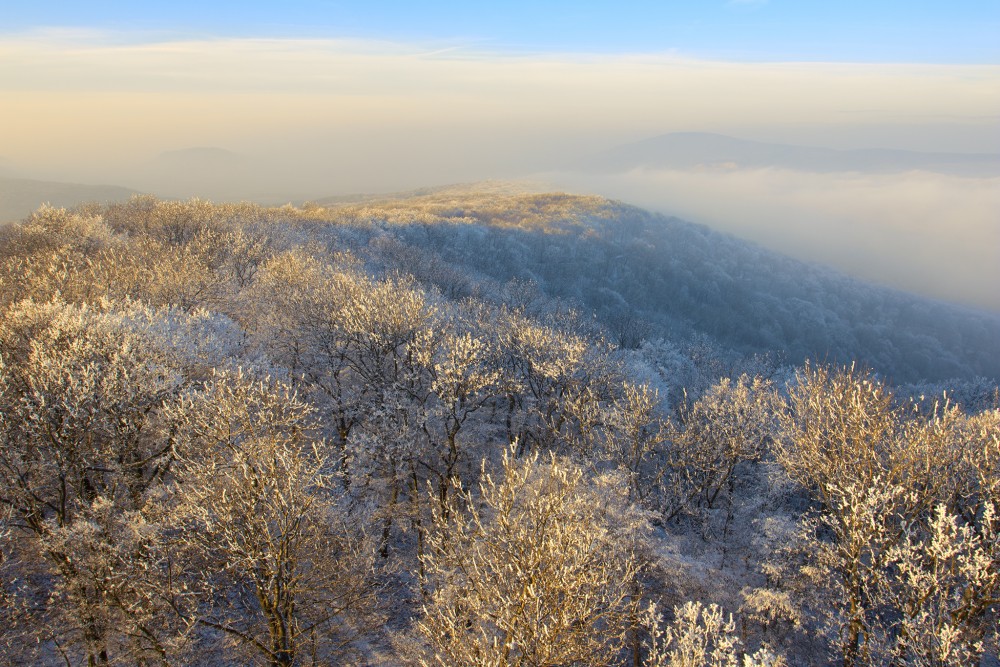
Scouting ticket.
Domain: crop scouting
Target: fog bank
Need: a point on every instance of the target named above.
(928, 233)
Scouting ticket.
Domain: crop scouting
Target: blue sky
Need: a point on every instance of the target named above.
(943, 31)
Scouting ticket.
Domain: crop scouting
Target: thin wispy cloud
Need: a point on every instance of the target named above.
(73, 92)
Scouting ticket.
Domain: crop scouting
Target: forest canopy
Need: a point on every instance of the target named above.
(480, 427)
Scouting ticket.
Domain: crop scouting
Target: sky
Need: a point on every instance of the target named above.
(501, 86)
(957, 31)
(397, 86)
(310, 99)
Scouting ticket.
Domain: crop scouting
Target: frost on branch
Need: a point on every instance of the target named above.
(699, 636)
(262, 526)
(537, 568)
(946, 581)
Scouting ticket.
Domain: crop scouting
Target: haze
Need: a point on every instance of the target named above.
(289, 117)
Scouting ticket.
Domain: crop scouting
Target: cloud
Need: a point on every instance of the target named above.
(84, 94)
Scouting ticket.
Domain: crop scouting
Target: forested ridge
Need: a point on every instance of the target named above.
(649, 276)
(480, 428)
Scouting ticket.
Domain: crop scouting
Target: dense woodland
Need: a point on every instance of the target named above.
(481, 428)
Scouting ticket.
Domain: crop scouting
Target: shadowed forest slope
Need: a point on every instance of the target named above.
(645, 276)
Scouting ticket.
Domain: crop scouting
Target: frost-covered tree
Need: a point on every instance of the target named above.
(81, 396)
(945, 585)
(297, 320)
(52, 253)
(841, 442)
(536, 568)
(877, 472)
(260, 537)
(461, 379)
(557, 379)
(731, 424)
(635, 436)
(700, 636)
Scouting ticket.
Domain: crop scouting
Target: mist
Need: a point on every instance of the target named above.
(276, 120)
(933, 234)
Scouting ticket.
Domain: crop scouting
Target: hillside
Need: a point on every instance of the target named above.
(644, 276)
(473, 423)
(647, 276)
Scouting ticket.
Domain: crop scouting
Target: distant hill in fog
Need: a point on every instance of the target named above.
(204, 171)
(19, 196)
(691, 150)
(219, 174)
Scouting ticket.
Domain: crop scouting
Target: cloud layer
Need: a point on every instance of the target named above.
(322, 117)
(76, 96)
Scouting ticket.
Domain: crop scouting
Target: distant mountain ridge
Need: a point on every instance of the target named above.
(20, 196)
(689, 150)
(212, 172)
